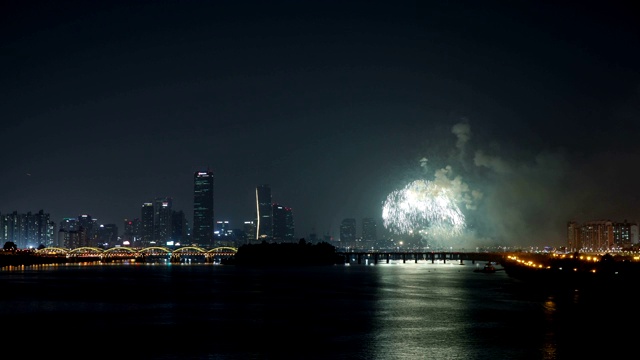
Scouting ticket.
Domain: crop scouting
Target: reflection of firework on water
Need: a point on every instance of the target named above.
(425, 208)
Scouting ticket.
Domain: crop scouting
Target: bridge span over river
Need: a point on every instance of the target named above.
(182, 254)
(194, 254)
(374, 257)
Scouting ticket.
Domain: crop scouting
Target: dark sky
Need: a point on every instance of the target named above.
(531, 107)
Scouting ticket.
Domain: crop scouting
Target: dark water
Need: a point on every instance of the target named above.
(386, 311)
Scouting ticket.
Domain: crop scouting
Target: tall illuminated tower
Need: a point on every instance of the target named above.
(282, 223)
(146, 222)
(264, 213)
(203, 223)
(162, 210)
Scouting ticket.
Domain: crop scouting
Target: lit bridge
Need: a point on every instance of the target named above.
(148, 254)
(374, 257)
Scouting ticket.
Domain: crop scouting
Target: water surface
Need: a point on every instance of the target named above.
(385, 311)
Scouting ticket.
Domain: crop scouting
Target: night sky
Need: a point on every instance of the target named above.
(529, 110)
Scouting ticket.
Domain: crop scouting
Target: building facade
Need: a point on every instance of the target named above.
(283, 227)
(264, 213)
(146, 224)
(88, 230)
(601, 235)
(162, 220)
(348, 233)
(369, 230)
(203, 214)
(179, 228)
(131, 232)
(27, 230)
(108, 235)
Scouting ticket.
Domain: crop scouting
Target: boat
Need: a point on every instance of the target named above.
(487, 268)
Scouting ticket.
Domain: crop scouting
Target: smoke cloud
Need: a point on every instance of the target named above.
(508, 201)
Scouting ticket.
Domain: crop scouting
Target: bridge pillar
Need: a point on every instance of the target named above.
(375, 258)
(359, 258)
(444, 258)
(416, 257)
(388, 256)
(433, 258)
(404, 258)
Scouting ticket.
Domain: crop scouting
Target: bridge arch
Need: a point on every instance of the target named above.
(53, 250)
(187, 248)
(86, 249)
(152, 248)
(120, 249)
(222, 249)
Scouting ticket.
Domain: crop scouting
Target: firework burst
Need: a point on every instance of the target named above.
(424, 208)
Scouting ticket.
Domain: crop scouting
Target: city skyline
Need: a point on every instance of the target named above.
(32, 230)
(518, 117)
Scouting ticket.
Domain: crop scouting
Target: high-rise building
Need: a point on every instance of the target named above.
(88, 230)
(69, 239)
(574, 240)
(224, 234)
(27, 230)
(69, 224)
(146, 222)
(282, 223)
(601, 235)
(369, 229)
(222, 228)
(162, 220)
(264, 213)
(348, 232)
(203, 215)
(597, 235)
(248, 232)
(131, 233)
(108, 235)
(179, 228)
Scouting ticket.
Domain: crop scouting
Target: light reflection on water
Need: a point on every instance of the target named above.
(384, 311)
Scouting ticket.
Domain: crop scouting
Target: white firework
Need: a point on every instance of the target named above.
(425, 208)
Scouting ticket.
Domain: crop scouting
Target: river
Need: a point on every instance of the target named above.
(384, 311)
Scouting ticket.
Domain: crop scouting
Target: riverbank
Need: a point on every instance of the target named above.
(27, 258)
(572, 271)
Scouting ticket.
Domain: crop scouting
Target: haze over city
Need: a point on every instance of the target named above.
(525, 112)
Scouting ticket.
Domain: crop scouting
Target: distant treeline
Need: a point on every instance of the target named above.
(27, 258)
(302, 253)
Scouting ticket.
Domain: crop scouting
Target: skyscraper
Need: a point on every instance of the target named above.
(282, 223)
(108, 235)
(88, 228)
(248, 231)
(179, 228)
(162, 217)
(264, 213)
(369, 229)
(131, 233)
(348, 232)
(203, 217)
(146, 219)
